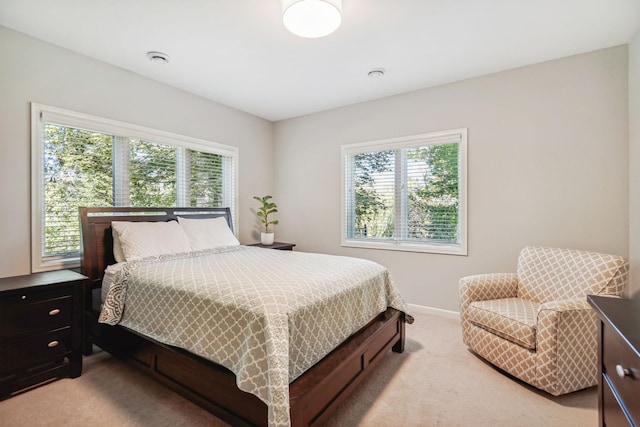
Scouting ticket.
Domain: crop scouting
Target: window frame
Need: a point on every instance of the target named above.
(41, 113)
(348, 150)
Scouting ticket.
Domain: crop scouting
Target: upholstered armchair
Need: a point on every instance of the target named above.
(536, 324)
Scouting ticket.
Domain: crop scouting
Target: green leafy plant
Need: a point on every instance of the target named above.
(268, 207)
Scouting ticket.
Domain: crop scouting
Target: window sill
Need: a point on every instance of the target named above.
(443, 249)
(55, 264)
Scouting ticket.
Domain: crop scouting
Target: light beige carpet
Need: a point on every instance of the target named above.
(435, 382)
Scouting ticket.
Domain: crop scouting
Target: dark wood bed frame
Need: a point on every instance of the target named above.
(313, 396)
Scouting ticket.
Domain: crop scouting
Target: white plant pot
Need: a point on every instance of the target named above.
(266, 238)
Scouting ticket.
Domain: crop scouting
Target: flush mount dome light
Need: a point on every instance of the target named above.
(158, 57)
(311, 18)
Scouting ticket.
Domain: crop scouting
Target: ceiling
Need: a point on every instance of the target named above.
(237, 52)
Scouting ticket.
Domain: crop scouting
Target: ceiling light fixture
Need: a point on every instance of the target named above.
(158, 57)
(312, 18)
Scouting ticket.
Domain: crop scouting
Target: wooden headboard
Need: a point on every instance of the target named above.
(97, 241)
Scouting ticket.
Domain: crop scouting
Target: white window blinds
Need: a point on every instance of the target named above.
(81, 160)
(406, 193)
(77, 172)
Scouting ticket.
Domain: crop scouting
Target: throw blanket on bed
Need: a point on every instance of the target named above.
(266, 315)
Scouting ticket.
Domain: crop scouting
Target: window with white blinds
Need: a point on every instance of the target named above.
(406, 193)
(81, 160)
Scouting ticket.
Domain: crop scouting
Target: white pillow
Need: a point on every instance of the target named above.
(143, 239)
(208, 233)
(117, 247)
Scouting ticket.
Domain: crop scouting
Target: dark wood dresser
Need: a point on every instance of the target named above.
(619, 360)
(40, 329)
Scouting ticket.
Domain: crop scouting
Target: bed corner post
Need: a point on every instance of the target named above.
(398, 347)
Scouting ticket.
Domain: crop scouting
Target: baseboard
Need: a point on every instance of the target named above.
(415, 308)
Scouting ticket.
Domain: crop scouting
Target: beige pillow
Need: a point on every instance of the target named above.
(144, 239)
(208, 233)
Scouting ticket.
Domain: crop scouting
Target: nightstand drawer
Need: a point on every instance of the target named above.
(612, 411)
(621, 367)
(29, 296)
(40, 315)
(35, 348)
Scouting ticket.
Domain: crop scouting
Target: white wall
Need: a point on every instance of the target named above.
(547, 160)
(547, 155)
(634, 162)
(32, 70)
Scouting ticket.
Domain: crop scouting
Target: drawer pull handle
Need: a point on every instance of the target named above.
(53, 344)
(622, 371)
(23, 297)
(54, 312)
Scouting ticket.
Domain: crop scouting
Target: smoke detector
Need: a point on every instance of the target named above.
(376, 73)
(158, 57)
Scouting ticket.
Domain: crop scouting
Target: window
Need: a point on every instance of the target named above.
(406, 193)
(81, 160)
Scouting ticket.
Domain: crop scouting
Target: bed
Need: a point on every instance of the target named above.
(316, 391)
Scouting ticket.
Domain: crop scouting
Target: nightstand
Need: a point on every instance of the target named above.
(276, 245)
(40, 329)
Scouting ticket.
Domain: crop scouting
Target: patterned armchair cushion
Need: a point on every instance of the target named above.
(513, 319)
(548, 274)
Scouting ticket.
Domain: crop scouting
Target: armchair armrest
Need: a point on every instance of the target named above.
(567, 345)
(564, 305)
(483, 287)
(554, 311)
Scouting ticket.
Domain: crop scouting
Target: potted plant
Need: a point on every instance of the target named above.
(268, 207)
